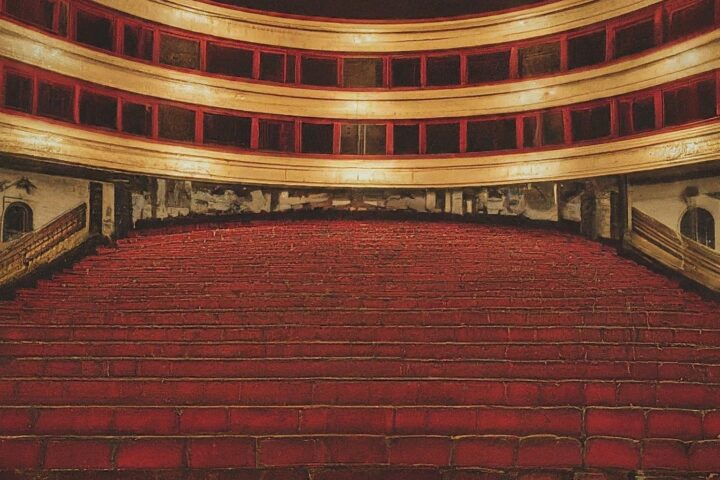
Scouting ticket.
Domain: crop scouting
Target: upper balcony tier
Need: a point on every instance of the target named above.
(680, 60)
(379, 10)
(550, 40)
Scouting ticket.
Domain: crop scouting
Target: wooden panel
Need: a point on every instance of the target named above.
(137, 119)
(591, 123)
(406, 139)
(98, 110)
(34, 12)
(491, 135)
(317, 138)
(179, 52)
(443, 138)
(226, 130)
(405, 72)
(443, 71)
(176, 123)
(18, 93)
(225, 60)
(138, 42)
(695, 17)
(488, 67)
(635, 38)
(55, 101)
(94, 30)
(362, 139)
(319, 71)
(643, 114)
(539, 59)
(586, 50)
(362, 72)
(692, 102)
(276, 135)
(531, 132)
(272, 66)
(552, 127)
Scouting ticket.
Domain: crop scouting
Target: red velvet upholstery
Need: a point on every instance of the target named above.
(359, 349)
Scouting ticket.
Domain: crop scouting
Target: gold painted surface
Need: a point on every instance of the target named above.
(31, 137)
(697, 55)
(229, 23)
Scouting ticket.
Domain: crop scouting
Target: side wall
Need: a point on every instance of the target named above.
(668, 201)
(50, 196)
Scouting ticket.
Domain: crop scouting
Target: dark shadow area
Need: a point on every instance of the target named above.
(380, 9)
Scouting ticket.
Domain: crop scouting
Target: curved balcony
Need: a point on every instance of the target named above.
(648, 105)
(690, 57)
(31, 137)
(572, 50)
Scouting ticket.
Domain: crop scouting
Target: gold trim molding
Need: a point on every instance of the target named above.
(684, 59)
(70, 145)
(321, 35)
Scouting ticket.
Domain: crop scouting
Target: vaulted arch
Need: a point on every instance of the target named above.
(699, 225)
(17, 220)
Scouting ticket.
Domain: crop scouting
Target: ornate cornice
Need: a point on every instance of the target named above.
(230, 23)
(50, 141)
(697, 55)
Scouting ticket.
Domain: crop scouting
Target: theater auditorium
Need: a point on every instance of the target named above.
(359, 240)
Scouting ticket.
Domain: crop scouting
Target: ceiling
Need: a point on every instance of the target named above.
(381, 9)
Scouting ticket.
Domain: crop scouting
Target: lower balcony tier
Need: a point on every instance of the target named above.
(33, 92)
(25, 136)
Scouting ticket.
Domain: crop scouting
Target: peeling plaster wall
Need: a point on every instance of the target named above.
(667, 203)
(590, 203)
(50, 197)
(168, 198)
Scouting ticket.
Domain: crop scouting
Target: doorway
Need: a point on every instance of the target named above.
(698, 224)
(17, 221)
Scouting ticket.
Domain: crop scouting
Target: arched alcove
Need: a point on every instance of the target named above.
(699, 225)
(17, 220)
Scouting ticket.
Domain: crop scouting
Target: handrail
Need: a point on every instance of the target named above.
(678, 252)
(35, 248)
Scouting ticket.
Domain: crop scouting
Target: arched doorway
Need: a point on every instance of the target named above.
(17, 221)
(699, 225)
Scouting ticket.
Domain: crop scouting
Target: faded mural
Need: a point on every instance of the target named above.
(553, 202)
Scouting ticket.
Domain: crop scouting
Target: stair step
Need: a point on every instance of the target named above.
(357, 350)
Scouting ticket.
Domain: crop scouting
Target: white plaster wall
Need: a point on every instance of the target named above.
(665, 202)
(54, 196)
